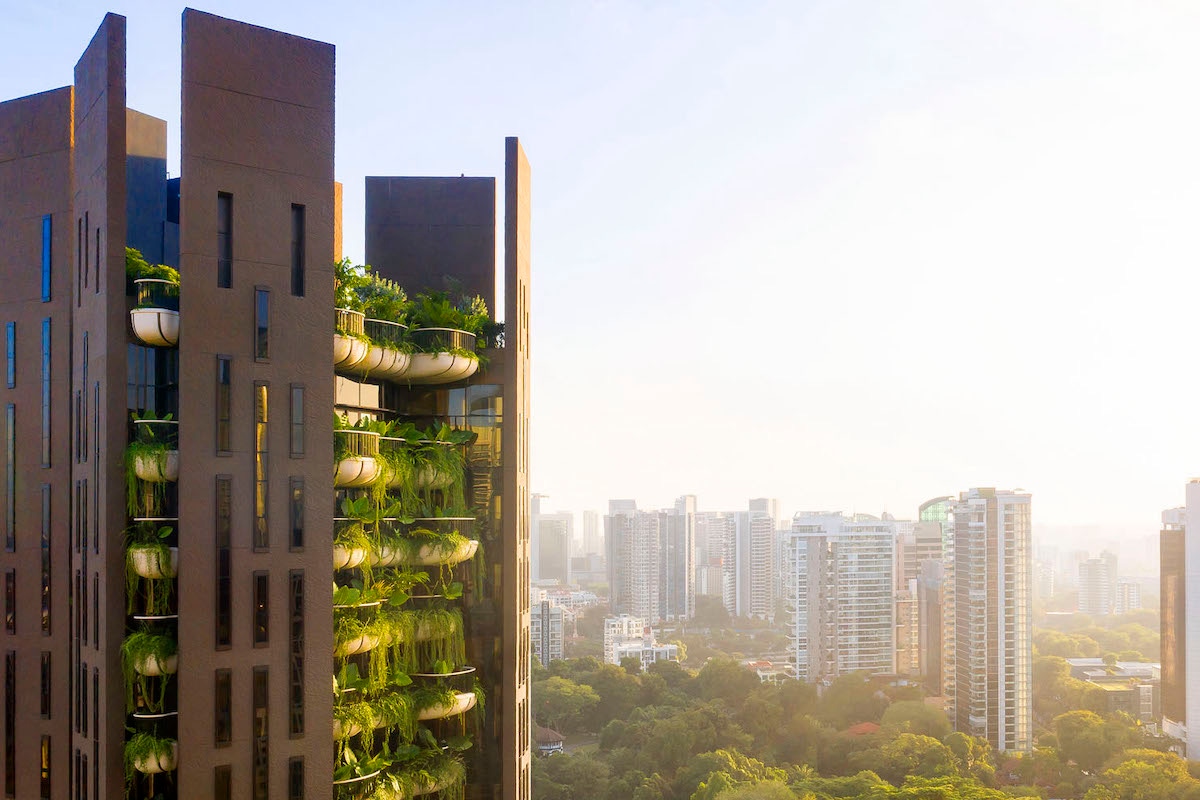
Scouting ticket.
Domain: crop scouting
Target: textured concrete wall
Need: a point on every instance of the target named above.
(258, 122)
(35, 180)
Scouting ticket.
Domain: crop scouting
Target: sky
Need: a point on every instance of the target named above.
(852, 255)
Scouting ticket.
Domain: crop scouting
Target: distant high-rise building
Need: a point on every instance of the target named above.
(916, 543)
(754, 559)
(546, 631)
(841, 595)
(593, 534)
(715, 545)
(939, 510)
(993, 577)
(930, 623)
(1129, 596)
(1096, 587)
(650, 561)
(553, 533)
(1180, 669)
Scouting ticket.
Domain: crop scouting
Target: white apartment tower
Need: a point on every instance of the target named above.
(754, 559)
(841, 595)
(1096, 587)
(993, 618)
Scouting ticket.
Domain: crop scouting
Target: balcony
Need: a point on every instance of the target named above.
(155, 318)
(350, 344)
(444, 355)
(357, 454)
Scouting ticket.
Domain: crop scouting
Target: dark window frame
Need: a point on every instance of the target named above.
(46, 392)
(224, 406)
(224, 240)
(46, 559)
(223, 620)
(47, 253)
(262, 494)
(296, 653)
(262, 324)
(298, 245)
(296, 420)
(296, 514)
(10, 354)
(10, 601)
(296, 778)
(261, 608)
(260, 760)
(222, 708)
(45, 706)
(10, 478)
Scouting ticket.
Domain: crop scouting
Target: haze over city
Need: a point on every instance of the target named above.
(850, 256)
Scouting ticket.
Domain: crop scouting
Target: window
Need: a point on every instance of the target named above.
(297, 421)
(260, 752)
(223, 708)
(262, 324)
(10, 354)
(222, 783)
(224, 527)
(95, 610)
(46, 392)
(298, 250)
(83, 417)
(83, 698)
(296, 648)
(10, 724)
(10, 601)
(46, 559)
(296, 778)
(83, 778)
(96, 707)
(45, 768)
(96, 285)
(10, 478)
(47, 229)
(262, 609)
(261, 534)
(224, 403)
(296, 513)
(79, 276)
(224, 240)
(47, 677)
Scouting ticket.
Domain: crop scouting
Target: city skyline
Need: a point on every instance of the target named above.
(886, 187)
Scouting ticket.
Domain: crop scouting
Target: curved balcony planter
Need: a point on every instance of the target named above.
(155, 320)
(358, 464)
(152, 764)
(156, 470)
(461, 525)
(430, 477)
(348, 557)
(442, 675)
(152, 667)
(357, 787)
(426, 556)
(147, 562)
(463, 702)
(385, 357)
(437, 363)
(359, 644)
(349, 342)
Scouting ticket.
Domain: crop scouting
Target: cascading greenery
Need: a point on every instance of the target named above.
(150, 446)
(136, 651)
(149, 540)
(136, 267)
(146, 748)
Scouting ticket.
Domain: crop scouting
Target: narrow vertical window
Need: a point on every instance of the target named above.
(297, 421)
(10, 601)
(96, 766)
(79, 276)
(46, 559)
(96, 706)
(296, 778)
(262, 609)
(10, 724)
(261, 535)
(83, 776)
(222, 783)
(296, 650)
(45, 768)
(223, 708)
(83, 419)
(224, 404)
(47, 229)
(262, 324)
(224, 240)
(224, 527)
(296, 513)
(260, 753)
(95, 610)
(10, 354)
(96, 285)
(46, 392)
(298, 250)
(10, 478)
(47, 677)
(83, 698)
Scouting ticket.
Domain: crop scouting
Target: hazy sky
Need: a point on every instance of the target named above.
(851, 255)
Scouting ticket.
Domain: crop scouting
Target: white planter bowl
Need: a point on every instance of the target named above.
(148, 564)
(151, 666)
(348, 558)
(433, 368)
(356, 471)
(348, 351)
(157, 327)
(463, 702)
(163, 763)
(151, 470)
(432, 478)
(383, 362)
(355, 646)
(426, 556)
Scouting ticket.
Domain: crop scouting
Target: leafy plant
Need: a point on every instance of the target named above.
(348, 280)
(150, 540)
(137, 267)
(137, 649)
(427, 770)
(146, 748)
(383, 299)
(151, 445)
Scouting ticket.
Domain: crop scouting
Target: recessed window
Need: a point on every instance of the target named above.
(10, 354)
(10, 601)
(10, 478)
(261, 752)
(222, 783)
(47, 237)
(262, 324)
(10, 724)
(224, 529)
(47, 677)
(45, 768)
(261, 533)
(296, 513)
(224, 240)
(224, 404)
(297, 421)
(262, 609)
(46, 561)
(298, 250)
(296, 651)
(46, 392)
(296, 778)
(223, 708)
